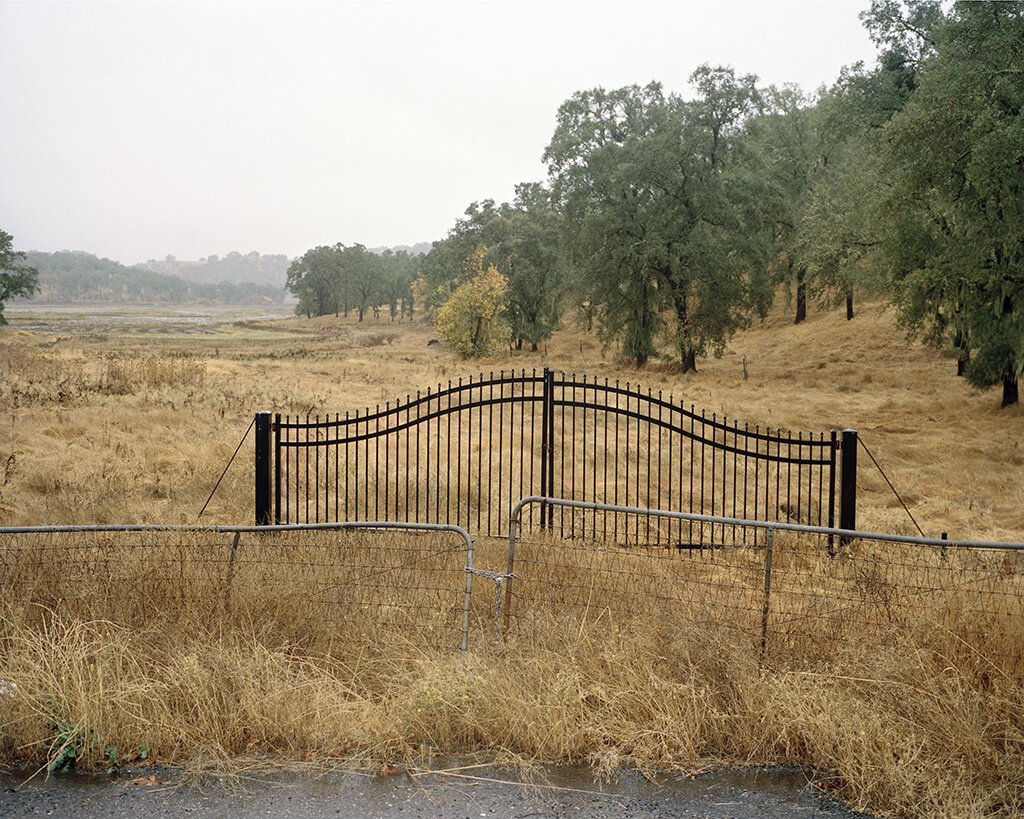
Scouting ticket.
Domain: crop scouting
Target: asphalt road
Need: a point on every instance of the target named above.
(453, 793)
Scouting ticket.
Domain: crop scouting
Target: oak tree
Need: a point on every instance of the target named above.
(954, 231)
(17, 278)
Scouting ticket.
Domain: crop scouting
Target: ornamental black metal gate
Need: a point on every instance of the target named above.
(465, 454)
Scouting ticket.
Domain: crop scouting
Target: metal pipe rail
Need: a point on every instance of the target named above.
(845, 534)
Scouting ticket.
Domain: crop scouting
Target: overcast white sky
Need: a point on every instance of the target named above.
(134, 130)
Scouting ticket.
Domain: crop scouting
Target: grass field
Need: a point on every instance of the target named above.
(130, 425)
(115, 423)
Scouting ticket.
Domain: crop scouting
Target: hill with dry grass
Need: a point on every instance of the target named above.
(135, 425)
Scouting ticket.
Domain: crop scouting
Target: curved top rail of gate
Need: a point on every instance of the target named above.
(658, 402)
(465, 453)
(413, 404)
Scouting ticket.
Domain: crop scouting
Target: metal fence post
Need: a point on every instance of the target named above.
(833, 448)
(545, 444)
(226, 600)
(549, 396)
(277, 468)
(767, 591)
(263, 466)
(848, 484)
(510, 566)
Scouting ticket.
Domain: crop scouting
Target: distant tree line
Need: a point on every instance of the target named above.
(338, 279)
(668, 223)
(74, 276)
(232, 267)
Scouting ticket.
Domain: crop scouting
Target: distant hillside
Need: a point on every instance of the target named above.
(418, 249)
(234, 267)
(74, 276)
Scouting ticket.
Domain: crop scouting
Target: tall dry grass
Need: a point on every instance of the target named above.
(335, 647)
(113, 428)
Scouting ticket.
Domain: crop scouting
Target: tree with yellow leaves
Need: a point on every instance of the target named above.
(474, 319)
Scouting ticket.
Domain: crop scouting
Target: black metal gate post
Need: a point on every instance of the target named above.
(832, 450)
(549, 397)
(277, 468)
(547, 448)
(848, 483)
(263, 465)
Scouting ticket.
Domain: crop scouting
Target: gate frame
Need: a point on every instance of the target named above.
(845, 536)
(371, 525)
(267, 484)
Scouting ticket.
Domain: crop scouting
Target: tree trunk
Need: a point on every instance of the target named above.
(801, 295)
(1010, 394)
(849, 306)
(687, 355)
(963, 356)
(477, 330)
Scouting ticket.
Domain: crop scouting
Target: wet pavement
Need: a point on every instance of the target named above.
(468, 792)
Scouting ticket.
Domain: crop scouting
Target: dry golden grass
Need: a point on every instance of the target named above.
(115, 428)
(331, 647)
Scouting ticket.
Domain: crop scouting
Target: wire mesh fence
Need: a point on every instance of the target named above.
(329, 585)
(791, 592)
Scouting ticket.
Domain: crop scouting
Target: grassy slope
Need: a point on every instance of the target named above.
(152, 452)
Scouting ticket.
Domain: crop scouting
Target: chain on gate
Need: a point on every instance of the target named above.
(498, 578)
